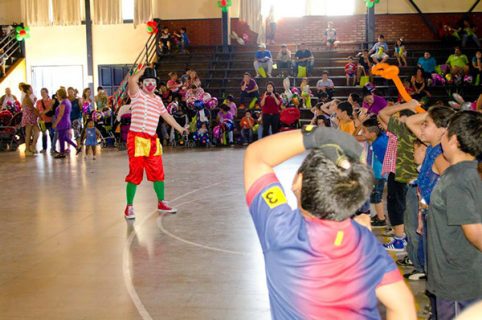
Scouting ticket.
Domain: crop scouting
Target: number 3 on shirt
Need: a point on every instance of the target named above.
(274, 197)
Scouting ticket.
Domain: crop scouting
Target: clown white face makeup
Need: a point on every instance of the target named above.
(149, 85)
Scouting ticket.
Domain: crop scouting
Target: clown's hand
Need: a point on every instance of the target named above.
(336, 145)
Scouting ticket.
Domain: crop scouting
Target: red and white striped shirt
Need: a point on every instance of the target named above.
(146, 111)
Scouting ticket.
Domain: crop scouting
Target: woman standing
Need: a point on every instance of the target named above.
(62, 123)
(44, 106)
(270, 107)
(87, 104)
(29, 119)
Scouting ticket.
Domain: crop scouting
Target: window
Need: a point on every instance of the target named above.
(127, 9)
(283, 8)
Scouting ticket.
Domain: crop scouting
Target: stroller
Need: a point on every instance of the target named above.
(289, 119)
(102, 124)
(11, 134)
(175, 138)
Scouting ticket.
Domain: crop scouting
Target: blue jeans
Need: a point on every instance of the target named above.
(247, 135)
(443, 309)
(410, 220)
(48, 134)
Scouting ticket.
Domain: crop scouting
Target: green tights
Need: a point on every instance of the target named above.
(132, 188)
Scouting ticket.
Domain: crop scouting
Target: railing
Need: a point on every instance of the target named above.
(146, 57)
(12, 48)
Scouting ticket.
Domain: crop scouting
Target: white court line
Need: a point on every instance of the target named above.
(125, 259)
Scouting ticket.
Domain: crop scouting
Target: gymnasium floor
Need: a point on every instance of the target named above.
(67, 252)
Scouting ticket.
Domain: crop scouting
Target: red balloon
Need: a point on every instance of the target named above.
(224, 3)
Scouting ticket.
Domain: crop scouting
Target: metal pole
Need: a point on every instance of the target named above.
(370, 26)
(473, 6)
(90, 57)
(225, 25)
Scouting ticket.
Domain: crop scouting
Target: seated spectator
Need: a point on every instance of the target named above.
(330, 36)
(379, 50)
(231, 104)
(8, 99)
(469, 33)
(477, 67)
(373, 103)
(303, 58)
(344, 113)
(458, 63)
(355, 101)
(194, 93)
(165, 39)
(350, 72)
(305, 93)
(419, 84)
(329, 109)
(427, 63)
(283, 59)
(364, 65)
(173, 84)
(246, 125)
(193, 78)
(263, 63)
(400, 53)
(164, 93)
(184, 45)
(449, 35)
(325, 85)
(249, 89)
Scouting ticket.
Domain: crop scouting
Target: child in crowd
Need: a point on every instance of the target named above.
(325, 85)
(469, 33)
(364, 65)
(164, 93)
(184, 40)
(232, 105)
(428, 127)
(224, 116)
(401, 53)
(165, 40)
(377, 141)
(477, 67)
(305, 93)
(379, 50)
(202, 134)
(330, 36)
(392, 119)
(247, 124)
(350, 72)
(90, 136)
(454, 223)
(173, 84)
(344, 113)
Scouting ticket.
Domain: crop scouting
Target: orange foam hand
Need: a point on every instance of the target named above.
(391, 72)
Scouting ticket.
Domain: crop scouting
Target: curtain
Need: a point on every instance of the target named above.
(107, 12)
(66, 12)
(36, 12)
(142, 11)
(249, 12)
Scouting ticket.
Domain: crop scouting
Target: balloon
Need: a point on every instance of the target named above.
(22, 33)
(228, 124)
(466, 106)
(172, 107)
(217, 132)
(190, 102)
(454, 104)
(391, 72)
(295, 90)
(198, 104)
(468, 79)
(213, 103)
(206, 97)
(151, 27)
(371, 3)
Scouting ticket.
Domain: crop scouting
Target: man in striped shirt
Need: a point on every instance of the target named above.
(143, 146)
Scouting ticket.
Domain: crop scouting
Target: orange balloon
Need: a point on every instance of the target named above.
(391, 72)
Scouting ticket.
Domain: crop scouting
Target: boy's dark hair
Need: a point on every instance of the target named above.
(441, 115)
(355, 97)
(467, 127)
(325, 72)
(98, 88)
(225, 107)
(162, 83)
(230, 97)
(184, 29)
(371, 124)
(330, 192)
(381, 36)
(326, 120)
(346, 106)
(406, 113)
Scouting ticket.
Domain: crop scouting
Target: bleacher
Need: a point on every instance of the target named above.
(221, 72)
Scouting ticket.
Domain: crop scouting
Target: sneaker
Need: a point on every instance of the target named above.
(377, 223)
(405, 262)
(43, 151)
(162, 206)
(388, 232)
(78, 150)
(415, 275)
(395, 244)
(59, 156)
(129, 212)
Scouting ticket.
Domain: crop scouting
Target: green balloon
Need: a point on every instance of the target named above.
(18, 29)
(19, 37)
(27, 29)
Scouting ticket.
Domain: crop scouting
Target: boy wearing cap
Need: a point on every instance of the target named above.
(319, 263)
(263, 60)
(284, 58)
(143, 146)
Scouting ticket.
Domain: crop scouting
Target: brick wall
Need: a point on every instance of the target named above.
(310, 29)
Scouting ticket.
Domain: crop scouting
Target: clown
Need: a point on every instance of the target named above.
(143, 146)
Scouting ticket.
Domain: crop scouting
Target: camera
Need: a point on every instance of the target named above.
(268, 93)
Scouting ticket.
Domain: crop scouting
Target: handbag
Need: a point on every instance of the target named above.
(301, 71)
(49, 113)
(364, 80)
